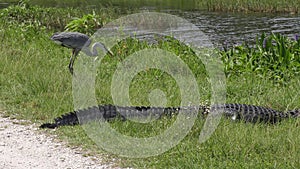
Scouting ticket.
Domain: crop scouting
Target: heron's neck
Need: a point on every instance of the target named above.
(98, 45)
(94, 51)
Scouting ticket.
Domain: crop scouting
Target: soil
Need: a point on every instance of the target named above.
(24, 146)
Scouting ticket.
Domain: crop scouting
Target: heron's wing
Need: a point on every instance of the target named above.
(70, 39)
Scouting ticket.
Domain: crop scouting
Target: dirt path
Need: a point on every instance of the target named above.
(23, 147)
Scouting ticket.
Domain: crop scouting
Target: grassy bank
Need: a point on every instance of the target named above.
(288, 6)
(35, 84)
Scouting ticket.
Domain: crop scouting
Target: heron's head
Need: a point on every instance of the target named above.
(55, 36)
(55, 39)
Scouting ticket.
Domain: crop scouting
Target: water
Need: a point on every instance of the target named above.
(4, 5)
(236, 28)
(220, 27)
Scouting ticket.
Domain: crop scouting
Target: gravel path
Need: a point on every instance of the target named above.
(23, 147)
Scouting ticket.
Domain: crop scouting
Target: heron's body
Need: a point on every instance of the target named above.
(77, 41)
(73, 40)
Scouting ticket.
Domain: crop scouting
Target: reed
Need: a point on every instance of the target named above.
(274, 6)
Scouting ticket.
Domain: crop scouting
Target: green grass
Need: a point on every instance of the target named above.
(233, 145)
(35, 84)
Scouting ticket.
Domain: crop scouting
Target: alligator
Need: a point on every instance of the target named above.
(235, 111)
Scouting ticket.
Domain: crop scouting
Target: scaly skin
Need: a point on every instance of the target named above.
(235, 111)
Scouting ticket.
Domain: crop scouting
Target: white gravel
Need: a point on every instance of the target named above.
(23, 147)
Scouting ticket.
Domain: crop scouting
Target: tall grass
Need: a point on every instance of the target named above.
(289, 6)
(31, 16)
(35, 84)
(31, 77)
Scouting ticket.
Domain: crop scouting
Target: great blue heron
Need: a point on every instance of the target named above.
(77, 41)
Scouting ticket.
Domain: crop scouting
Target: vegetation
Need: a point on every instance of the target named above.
(274, 56)
(35, 84)
(289, 6)
(88, 24)
(39, 18)
(50, 19)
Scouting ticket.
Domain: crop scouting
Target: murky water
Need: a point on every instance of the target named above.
(230, 28)
(236, 28)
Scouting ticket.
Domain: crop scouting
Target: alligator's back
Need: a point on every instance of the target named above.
(248, 113)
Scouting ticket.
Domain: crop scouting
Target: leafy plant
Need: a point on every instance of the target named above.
(274, 56)
(87, 24)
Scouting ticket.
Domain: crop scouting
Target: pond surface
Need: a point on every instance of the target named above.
(236, 28)
(220, 27)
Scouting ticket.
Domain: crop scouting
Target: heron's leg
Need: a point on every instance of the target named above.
(72, 60)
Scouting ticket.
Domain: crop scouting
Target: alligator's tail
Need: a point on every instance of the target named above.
(66, 119)
(106, 112)
(109, 112)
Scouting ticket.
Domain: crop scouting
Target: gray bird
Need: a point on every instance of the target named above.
(76, 41)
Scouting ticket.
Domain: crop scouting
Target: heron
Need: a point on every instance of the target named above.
(78, 41)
